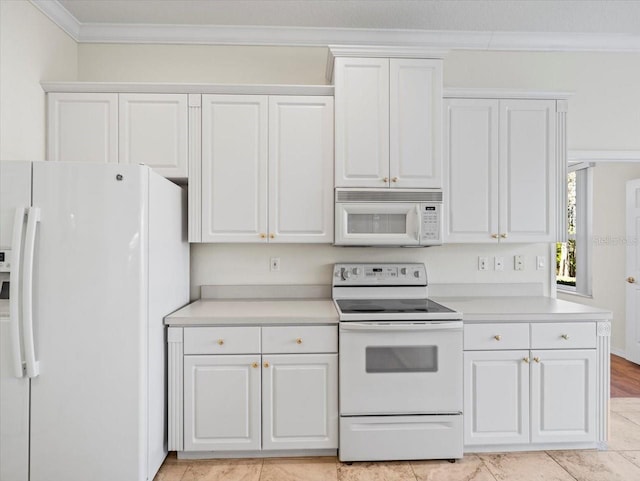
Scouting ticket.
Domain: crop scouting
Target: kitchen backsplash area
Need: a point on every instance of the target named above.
(213, 264)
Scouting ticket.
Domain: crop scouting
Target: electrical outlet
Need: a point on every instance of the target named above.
(540, 262)
(518, 263)
(275, 264)
(483, 263)
(498, 263)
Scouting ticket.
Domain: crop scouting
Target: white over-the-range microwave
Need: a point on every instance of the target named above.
(388, 217)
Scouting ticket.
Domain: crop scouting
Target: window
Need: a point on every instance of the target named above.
(573, 258)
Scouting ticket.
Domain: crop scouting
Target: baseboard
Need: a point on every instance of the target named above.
(618, 352)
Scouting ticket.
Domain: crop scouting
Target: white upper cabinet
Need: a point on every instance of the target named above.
(234, 168)
(415, 155)
(362, 122)
(388, 126)
(154, 131)
(301, 169)
(267, 168)
(501, 170)
(83, 127)
(130, 128)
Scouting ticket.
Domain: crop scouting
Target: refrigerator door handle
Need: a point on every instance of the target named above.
(33, 217)
(14, 292)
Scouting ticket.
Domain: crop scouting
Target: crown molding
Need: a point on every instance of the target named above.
(323, 37)
(603, 156)
(186, 88)
(60, 16)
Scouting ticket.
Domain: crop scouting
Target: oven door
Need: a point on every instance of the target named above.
(368, 224)
(400, 367)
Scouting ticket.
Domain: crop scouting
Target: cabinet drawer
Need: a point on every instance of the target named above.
(222, 340)
(563, 335)
(480, 337)
(291, 339)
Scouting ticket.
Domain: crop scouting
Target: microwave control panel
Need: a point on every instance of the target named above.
(431, 223)
(5, 261)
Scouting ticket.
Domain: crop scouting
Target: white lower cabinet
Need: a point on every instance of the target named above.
(538, 395)
(300, 401)
(221, 403)
(253, 388)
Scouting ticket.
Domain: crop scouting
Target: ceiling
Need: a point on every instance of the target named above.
(566, 16)
(534, 25)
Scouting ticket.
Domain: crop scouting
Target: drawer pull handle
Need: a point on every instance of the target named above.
(220, 342)
(254, 364)
(266, 364)
(565, 337)
(526, 359)
(497, 337)
(536, 359)
(299, 340)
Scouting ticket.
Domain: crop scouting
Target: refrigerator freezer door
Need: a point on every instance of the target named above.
(88, 405)
(15, 195)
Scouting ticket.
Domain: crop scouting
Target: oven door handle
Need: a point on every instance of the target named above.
(400, 326)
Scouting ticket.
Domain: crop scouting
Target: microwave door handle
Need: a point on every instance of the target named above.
(419, 224)
(14, 292)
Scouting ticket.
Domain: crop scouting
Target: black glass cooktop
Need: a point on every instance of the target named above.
(390, 306)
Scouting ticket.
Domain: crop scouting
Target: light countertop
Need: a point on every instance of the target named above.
(522, 309)
(257, 312)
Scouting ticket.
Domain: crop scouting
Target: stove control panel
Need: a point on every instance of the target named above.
(384, 274)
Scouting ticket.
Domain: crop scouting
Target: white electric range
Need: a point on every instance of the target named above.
(400, 365)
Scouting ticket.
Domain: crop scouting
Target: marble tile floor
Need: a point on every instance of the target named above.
(620, 463)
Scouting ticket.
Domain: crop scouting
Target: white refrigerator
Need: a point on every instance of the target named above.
(97, 256)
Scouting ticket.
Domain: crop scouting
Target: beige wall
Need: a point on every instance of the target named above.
(32, 49)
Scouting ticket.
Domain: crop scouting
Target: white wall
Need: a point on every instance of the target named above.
(32, 48)
(604, 114)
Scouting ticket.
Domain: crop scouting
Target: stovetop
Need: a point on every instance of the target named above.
(391, 306)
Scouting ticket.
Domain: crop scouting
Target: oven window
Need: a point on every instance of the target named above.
(377, 224)
(401, 359)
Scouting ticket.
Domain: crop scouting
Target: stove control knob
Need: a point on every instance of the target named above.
(403, 271)
(417, 274)
(356, 271)
(346, 274)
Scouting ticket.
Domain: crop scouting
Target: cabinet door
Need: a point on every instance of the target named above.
(496, 397)
(221, 403)
(563, 396)
(300, 401)
(527, 170)
(154, 131)
(82, 127)
(471, 170)
(362, 122)
(415, 125)
(300, 169)
(234, 168)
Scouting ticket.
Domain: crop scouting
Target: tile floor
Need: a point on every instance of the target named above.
(620, 463)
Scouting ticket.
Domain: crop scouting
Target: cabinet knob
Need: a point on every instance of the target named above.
(497, 337)
(263, 236)
(254, 365)
(504, 236)
(266, 364)
(526, 359)
(565, 337)
(220, 342)
(272, 236)
(536, 359)
(385, 179)
(299, 340)
(494, 236)
(631, 280)
(394, 179)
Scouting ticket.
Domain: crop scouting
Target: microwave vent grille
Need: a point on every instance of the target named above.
(388, 196)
